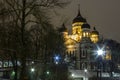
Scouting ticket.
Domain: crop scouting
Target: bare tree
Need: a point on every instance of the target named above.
(22, 14)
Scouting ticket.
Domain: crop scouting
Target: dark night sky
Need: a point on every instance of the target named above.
(104, 14)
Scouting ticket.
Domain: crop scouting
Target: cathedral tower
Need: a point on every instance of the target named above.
(94, 35)
(77, 23)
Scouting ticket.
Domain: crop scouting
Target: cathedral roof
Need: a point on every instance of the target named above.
(95, 31)
(79, 18)
(86, 26)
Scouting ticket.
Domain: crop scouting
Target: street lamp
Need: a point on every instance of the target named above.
(32, 69)
(100, 54)
(73, 74)
(85, 70)
(57, 59)
(32, 74)
(48, 72)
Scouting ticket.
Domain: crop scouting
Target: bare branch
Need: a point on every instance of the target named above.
(15, 10)
(17, 3)
(31, 3)
(29, 21)
(31, 8)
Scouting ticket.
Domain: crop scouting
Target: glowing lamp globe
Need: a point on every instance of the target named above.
(85, 70)
(100, 52)
(32, 69)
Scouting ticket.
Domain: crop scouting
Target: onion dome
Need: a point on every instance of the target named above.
(79, 18)
(95, 31)
(85, 26)
(63, 28)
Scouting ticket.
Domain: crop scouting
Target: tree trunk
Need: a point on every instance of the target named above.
(15, 70)
(15, 67)
(23, 75)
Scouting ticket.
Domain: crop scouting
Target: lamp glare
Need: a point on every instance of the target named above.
(100, 52)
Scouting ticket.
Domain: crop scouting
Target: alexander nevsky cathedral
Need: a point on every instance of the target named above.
(82, 51)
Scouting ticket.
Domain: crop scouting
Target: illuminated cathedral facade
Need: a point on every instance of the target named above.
(81, 46)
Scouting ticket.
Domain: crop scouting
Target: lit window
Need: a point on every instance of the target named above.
(94, 38)
(83, 34)
(87, 34)
(108, 56)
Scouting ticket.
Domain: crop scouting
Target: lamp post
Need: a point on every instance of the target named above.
(100, 54)
(32, 70)
(57, 59)
(85, 70)
(72, 76)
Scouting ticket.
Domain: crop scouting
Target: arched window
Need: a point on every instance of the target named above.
(83, 66)
(83, 54)
(83, 34)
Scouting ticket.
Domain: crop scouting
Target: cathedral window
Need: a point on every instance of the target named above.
(67, 53)
(77, 31)
(70, 53)
(73, 53)
(94, 38)
(84, 34)
(83, 53)
(83, 66)
(87, 34)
